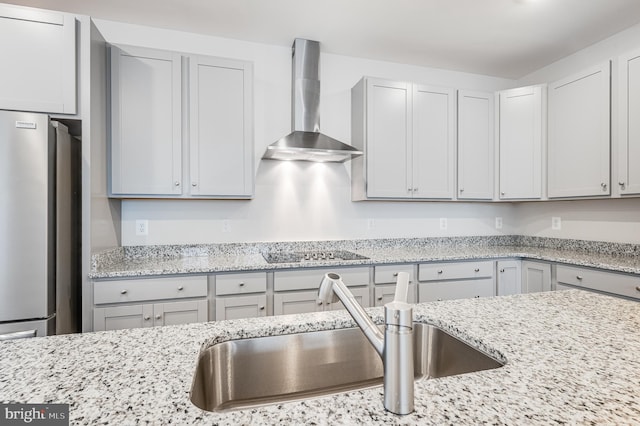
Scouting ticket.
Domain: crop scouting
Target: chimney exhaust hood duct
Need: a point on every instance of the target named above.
(305, 142)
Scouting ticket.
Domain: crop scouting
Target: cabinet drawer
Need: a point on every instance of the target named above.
(388, 274)
(455, 271)
(301, 279)
(241, 283)
(610, 282)
(137, 290)
(428, 292)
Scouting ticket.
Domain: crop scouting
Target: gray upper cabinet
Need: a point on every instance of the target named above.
(520, 140)
(475, 145)
(146, 117)
(629, 125)
(221, 127)
(407, 133)
(40, 46)
(181, 126)
(579, 139)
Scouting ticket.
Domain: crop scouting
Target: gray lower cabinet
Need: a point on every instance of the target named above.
(296, 291)
(536, 276)
(509, 277)
(456, 280)
(148, 302)
(238, 307)
(616, 284)
(149, 315)
(240, 295)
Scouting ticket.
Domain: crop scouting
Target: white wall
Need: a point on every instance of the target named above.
(607, 220)
(295, 200)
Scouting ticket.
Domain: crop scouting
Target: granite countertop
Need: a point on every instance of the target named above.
(571, 357)
(168, 260)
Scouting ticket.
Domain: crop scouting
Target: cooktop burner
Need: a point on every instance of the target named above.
(310, 256)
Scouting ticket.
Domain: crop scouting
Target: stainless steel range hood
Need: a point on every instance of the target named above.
(305, 142)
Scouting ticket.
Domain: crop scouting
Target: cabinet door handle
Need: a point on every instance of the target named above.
(621, 184)
(176, 183)
(439, 271)
(262, 308)
(241, 283)
(158, 316)
(604, 186)
(461, 189)
(415, 189)
(638, 288)
(477, 297)
(123, 291)
(395, 274)
(180, 288)
(502, 270)
(579, 277)
(477, 270)
(502, 193)
(147, 317)
(194, 184)
(380, 297)
(319, 302)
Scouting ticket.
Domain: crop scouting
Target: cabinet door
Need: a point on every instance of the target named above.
(475, 145)
(536, 277)
(361, 294)
(579, 141)
(122, 317)
(629, 125)
(509, 277)
(173, 313)
(239, 307)
(448, 290)
(221, 127)
(146, 123)
(38, 52)
(385, 294)
(388, 139)
(296, 303)
(433, 142)
(520, 141)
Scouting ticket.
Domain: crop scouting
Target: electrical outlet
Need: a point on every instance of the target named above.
(226, 225)
(498, 223)
(556, 223)
(371, 224)
(142, 227)
(443, 223)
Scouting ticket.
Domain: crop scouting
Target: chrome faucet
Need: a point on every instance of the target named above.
(395, 347)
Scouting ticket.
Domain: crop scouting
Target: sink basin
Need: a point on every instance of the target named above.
(245, 373)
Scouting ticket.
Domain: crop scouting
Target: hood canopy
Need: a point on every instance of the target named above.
(305, 142)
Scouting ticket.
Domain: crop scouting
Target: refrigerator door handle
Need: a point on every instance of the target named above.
(18, 335)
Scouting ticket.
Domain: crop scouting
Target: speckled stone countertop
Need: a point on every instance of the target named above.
(573, 357)
(196, 259)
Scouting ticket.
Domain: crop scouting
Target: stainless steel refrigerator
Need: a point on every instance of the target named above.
(39, 227)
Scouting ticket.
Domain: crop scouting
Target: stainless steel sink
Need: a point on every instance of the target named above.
(238, 374)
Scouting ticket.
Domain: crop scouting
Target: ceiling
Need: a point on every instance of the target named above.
(505, 38)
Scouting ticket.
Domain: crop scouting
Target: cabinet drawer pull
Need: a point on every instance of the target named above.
(579, 277)
(477, 270)
(477, 297)
(123, 291)
(461, 189)
(158, 316)
(395, 274)
(380, 297)
(262, 308)
(502, 270)
(604, 186)
(638, 288)
(194, 184)
(176, 183)
(319, 302)
(241, 283)
(439, 271)
(180, 288)
(147, 317)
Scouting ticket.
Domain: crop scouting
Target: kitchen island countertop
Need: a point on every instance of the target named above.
(571, 357)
